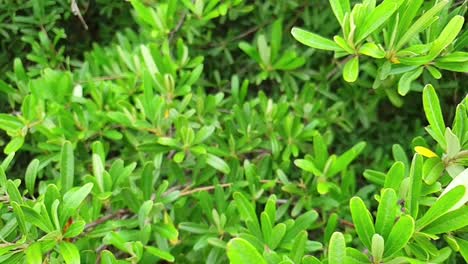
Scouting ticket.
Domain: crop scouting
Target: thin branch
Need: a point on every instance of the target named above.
(120, 213)
(202, 189)
(76, 11)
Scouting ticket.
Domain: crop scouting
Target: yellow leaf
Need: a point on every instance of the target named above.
(425, 152)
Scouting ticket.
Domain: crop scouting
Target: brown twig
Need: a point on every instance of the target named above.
(205, 188)
(346, 223)
(120, 213)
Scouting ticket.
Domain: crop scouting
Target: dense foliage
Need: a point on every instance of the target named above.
(204, 131)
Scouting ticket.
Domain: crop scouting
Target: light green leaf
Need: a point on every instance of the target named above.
(34, 254)
(20, 218)
(340, 8)
(72, 200)
(447, 36)
(303, 222)
(386, 212)
(337, 248)
(422, 23)
(414, 191)
(107, 257)
(441, 206)
(160, 253)
(434, 114)
(378, 248)
(453, 143)
(276, 38)
(313, 40)
(346, 158)
(449, 222)
(75, 229)
(401, 233)
(14, 145)
(460, 179)
(432, 170)
(264, 50)
(217, 163)
(376, 18)
(298, 247)
(395, 176)
(362, 220)
(246, 210)
(67, 166)
(240, 251)
(30, 175)
(351, 70)
(13, 192)
(277, 235)
(372, 50)
(308, 166)
(404, 84)
(36, 219)
(69, 253)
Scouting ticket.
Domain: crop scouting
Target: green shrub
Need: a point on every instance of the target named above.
(405, 39)
(202, 136)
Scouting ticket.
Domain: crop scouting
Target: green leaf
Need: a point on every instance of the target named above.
(308, 166)
(434, 114)
(13, 192)
(14, 145)
(160, 253)
(343, 44)
(30, 175)
(453, 143)
(346, 158)
(372, 50)
(277, 235)
(276, 38)
(240, 251)
(395, 176)
(69, 253)
(264, 50)
(340, 8)
(246, 210)
(313, 40)
(378, 248)
(447, 36)
(107, 257)
(441, 206)
(217, 163)
(404, 84)
(449, 222)
(460, 180)
(422, 23)
(376, 18)
(75, 229)
(434, 72)
(337, 248)
(386, 212)
(67, 166)
(20, 218)
(3, 178)
(351, 70)
(415, 184)
(303, 222)
(363, 222)
(34, 254)
(72, 200)
(463, 248)
(36, 219)
(401, 233)
(432, 170)
(298, 247)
